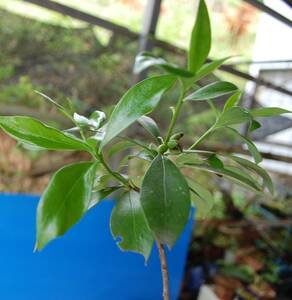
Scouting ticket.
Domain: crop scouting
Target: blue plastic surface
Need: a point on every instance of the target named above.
(85, 264)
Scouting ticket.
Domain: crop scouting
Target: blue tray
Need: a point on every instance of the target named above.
(85, 264)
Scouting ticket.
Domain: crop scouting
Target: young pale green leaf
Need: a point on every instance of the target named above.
(233, 100)
(269, 112)
(251, 146)
(256, 169)
(34, 132)
(150, 125)
(213, 90)
(98, 117)
(129, 223)
(146, 60)
(64, 202)
(201, 198)
(61, 108)
(141, 99)
(200, 43)
(99, 195)
(208, 68)
(165, 199)
(93, 122)
(232, 116)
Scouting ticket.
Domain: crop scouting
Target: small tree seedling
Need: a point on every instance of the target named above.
(156, 209)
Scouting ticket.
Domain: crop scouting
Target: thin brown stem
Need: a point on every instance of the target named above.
(164, 270)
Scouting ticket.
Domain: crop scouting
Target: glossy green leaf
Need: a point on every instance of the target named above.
(233, 100)
(200, 43)
(193, 157)
(150, 125)
(214, 161)
(254, 125)
(208, 68)
(269, 112)
(99, 195)
(141, 99)
(251, 146)
(129, 223)
(146, 60)
(34, 132)
(201, 198)
(64, 202)
(213, 90)
(165, 199)
(232, 116)
(238, 176)
(257, 170)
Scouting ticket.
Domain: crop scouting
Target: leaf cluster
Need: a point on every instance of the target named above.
(158, 207)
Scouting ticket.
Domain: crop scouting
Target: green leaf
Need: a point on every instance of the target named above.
(256, 169)
(93, 122)
(233, 100)
(97, 137)
(208, 68)
(238, 175)
(61, 108)
(269, 112)
(129, 223)
(146, 60)
(141, 99)
(140, 144)
(98, 117)
(251, 146)
(201, 198)
(213, 90)
(150, 125)
(254, 125)
(165, 198)
(120, 146)
(99, 195)
(214, 161)
(64, 202)
(200, 43)
(144, 155)
(193, 157)
(34, 132)
(232, 116)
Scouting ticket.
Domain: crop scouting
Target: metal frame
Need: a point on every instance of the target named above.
(259, 5)
(147, 35)
(153, 8)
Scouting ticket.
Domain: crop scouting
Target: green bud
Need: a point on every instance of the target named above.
(172, 144)
(177, 136)
(162, 148)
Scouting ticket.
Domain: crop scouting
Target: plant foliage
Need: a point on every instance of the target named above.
(158, 207)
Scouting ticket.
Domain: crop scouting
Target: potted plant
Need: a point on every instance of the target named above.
(155, 210)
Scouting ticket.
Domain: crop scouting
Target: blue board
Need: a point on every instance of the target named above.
(85, 264)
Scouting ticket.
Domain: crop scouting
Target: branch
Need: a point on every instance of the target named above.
(164, 270)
